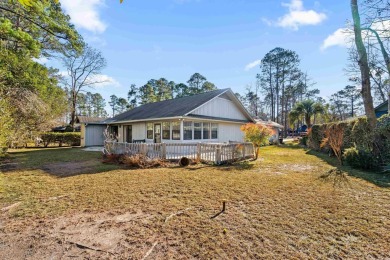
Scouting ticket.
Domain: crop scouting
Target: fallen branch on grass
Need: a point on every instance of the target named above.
(83, 246)
(176, 214)
(11, 206)
(150, 251)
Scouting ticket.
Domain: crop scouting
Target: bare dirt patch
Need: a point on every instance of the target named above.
(66, 169)
(85, 236)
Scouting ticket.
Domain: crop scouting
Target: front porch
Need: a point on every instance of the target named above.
(202, 152)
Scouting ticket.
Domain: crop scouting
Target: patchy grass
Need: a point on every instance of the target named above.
(280, 206)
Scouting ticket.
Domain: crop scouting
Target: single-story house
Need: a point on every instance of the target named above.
(214, 116)
(91, 130)
(275, 128)
(382, 109)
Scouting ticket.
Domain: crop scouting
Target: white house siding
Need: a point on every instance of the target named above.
(138, 131)
(220, 107)
(230, 132)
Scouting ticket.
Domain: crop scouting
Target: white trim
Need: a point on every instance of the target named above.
(145, 120)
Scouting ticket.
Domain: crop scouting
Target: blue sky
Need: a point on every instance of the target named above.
(221, 39)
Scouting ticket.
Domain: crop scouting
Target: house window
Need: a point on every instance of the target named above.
(166, 130)
(114, 131)
(176, 131)
(214, 131)
(149, 130)
(187, 130)
(206, 130)
(197, 131)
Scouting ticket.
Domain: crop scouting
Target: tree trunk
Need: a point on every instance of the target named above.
(364, 68)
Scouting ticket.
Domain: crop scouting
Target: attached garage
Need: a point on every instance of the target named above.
(92, 129)
(93, 135)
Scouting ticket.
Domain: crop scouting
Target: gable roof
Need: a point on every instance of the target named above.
(89, 119)
(171, 108)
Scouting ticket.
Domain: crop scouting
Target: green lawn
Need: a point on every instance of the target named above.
(72, 205)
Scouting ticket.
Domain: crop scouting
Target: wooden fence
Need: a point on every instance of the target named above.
(206, 152)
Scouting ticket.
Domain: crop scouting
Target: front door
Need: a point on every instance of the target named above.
(129, 134)
(157, 133)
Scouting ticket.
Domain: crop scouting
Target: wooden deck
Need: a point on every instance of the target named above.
(206, 152)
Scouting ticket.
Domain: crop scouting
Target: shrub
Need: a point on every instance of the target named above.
(360, 159)
(362, 135)
(72, 139)
(315, 136)
(257, 134)
(383, 126)
(142, 161)
(334, 135)
(303, 140)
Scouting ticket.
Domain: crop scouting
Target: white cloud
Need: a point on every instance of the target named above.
(85, 14)
(299, 16)
(105, 81)
(341, 37)
(252, 65)
(102, 79)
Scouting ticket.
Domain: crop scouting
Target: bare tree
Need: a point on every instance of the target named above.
(363, 64)
(83, 70)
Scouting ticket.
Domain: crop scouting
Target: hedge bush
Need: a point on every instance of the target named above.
(71, 139)
(358, 144)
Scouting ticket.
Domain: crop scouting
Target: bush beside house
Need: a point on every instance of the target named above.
(70, 138)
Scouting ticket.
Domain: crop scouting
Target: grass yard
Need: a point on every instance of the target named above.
(64, 203)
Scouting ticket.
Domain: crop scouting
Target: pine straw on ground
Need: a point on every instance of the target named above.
(284, 206)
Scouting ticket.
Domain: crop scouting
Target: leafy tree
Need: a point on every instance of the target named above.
(306, 109)
(98, 106)
(113, 103)
(122, 105)
(282, 83)
(196, 82)
(83, 70)
(132, 96)
(181, 90)
(256, 134)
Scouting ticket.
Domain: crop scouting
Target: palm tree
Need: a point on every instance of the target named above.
(307, 109)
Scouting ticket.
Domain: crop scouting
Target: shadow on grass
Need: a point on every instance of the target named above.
(377, 178)
(58, 162)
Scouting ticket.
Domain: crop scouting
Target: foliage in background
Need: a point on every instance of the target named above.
(306, 109)
(256, 134)
(29, 91)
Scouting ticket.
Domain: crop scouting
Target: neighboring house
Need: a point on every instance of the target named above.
(275, 128)
(382, 109)
(214, 116)
(91, 130)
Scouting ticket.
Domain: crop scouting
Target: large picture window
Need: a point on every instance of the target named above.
(176, 131)
(166, 130)
(214, 131)
(149, 130)
(187, 126)
(206, 130)
(197, 130)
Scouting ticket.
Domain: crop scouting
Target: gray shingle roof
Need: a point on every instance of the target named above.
(168, 108)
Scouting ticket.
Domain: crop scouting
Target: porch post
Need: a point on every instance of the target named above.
(181, 130)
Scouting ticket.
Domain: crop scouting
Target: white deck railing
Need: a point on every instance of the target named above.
(217, 153)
